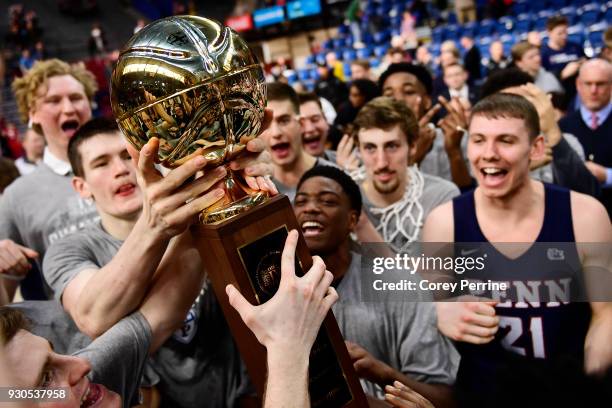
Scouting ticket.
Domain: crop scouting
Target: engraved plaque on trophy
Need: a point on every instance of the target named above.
(195, 85)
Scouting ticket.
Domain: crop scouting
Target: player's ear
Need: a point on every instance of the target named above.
(538, 148)
(353, 219)
(81, 187)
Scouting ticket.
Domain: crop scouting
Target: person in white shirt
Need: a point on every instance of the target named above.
(34, 146)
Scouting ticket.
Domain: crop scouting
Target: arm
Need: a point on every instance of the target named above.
(378, 372)
(98, 298)
(453, 125)
(287, 326)
(568, 169)
(172, 291)
(471, 321)
(593, 234)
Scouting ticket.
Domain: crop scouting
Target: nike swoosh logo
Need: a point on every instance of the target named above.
(466, 252)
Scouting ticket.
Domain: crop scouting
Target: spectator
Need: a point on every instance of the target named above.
(471, 58)
(497, 59)
(330, 87)
(360, 69)
(606, 52)
(424, 58)
(361, 92)
(592, 124)
(534, 38)
(25, 61)
(97, 40)
(456, 81)
(34, 146)
(336, 66)
(561, 57)
(407, 31)
(465, 10)
(527, 58)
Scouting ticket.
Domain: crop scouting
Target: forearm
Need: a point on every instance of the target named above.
(287, 385)
(118, 288)
(598, 349)
(459, 171)
(173, 290)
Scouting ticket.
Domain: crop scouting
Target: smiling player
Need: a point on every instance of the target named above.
(509, 206)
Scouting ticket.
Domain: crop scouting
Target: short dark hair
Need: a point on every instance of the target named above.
(278, 91)
(453, 64)
(418, 71)
(501, 105)
(502, 79)
(367, 88)
(88, 130)
(556, 21)
(351, 189)
(385, 113)
(11, 321)
(305, 97)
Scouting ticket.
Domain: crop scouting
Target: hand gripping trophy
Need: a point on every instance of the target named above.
(195, 85)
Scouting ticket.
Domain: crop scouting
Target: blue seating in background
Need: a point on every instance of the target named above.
(364, 53)
(349, 55)
(381, 50)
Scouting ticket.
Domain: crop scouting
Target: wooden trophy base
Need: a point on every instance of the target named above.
(246, 251)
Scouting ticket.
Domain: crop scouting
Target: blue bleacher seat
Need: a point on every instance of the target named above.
(374, 62)
(485, 28)
(556, 4)
(320, 58)
(608, 15)
(291, 76)
(570, 13)
(309, 85)
(437, 34)
(522, 25)
(520, 7)
(576, 33)
(314, 74)
(349, 55)
(381, 50)
(590, 16)
(343, 29)
(303, 74)
(536, 6)
(338, 43)
(364, 53)
(452, 32)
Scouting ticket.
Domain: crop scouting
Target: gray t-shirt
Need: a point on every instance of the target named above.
(40, 208)
(436, 191)
(403, 335)
(290, 191)
(200, 360)
(117, 357)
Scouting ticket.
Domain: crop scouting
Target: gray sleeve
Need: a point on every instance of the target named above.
(118, 357)
(426, 355)
(8, 225)
(570, 172)
(64, 260)
(574, 144)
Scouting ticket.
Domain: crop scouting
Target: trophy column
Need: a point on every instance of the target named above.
(246, 252)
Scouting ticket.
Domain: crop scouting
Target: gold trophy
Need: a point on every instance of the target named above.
(195, 85)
